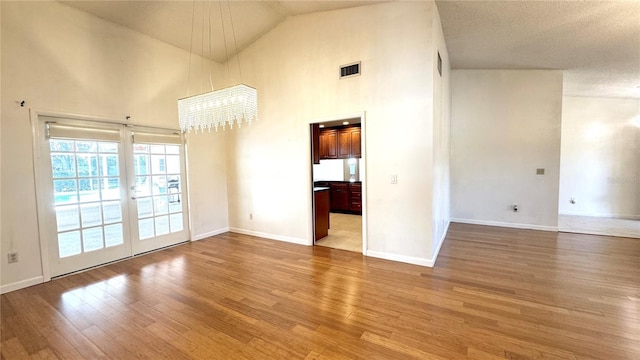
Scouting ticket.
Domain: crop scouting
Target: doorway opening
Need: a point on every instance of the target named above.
(338, 183)
(600, 167)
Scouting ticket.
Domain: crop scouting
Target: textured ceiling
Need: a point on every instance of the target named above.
(597, 43)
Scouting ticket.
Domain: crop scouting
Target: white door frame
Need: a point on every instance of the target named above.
(363, 173)
(39, 176)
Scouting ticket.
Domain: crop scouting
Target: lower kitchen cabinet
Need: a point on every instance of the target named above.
(322, 201)
(340, 197)
(346, 197)
(355, 197)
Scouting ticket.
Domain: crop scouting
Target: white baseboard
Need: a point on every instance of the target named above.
(505, 224)
(411, 259)
(444, 235)
(617, 216)
(210, 234)
(21, 284)
(271, 236)
(401, 258)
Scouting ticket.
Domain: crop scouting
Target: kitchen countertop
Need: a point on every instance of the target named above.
(337, 181)
(320, 188)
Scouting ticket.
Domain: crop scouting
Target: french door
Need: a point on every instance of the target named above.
(108, 191)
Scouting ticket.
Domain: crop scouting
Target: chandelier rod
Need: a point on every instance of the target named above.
(202, 49)
(210, 53)
(235, 44)
(193, 15)
(224, 38)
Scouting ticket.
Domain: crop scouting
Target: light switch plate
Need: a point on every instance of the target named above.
(394, 179)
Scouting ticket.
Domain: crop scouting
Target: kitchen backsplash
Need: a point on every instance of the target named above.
(334, 170)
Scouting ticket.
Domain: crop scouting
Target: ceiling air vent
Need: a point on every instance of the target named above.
(350, 70)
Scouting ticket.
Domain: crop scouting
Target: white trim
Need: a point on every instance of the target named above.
(21, 284)
(210, 234)
(410, 259)
(603, 215)
(339, 117)
(505, 224)
(102, 119)
(188, 184)
(288, 239)
(38, 177)
(363, 181)
(444, 235)
(401, 258)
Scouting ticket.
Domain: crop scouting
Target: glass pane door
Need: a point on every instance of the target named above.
(105, 194)
(89, 213)
(158, 196)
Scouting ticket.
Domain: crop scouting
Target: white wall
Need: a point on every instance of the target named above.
(295, 69)
(600, 157)
(57, 58)
(441, 137)
(504, 125)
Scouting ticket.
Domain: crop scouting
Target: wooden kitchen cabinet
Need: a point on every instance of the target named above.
(340, 143)
(344, 144)
(340, 196)
(346, 197)
(315, 143)
(329, 144)
(355, 197)
(321, 211)
(356, 146)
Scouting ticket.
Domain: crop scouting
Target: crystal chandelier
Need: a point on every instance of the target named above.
(222, 107)
(218, 108)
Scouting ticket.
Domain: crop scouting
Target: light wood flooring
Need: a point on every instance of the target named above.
(495, 293)
(599, 225)
(345, 232)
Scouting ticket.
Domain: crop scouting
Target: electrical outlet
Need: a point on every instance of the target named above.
(12, 257)
(250, 216)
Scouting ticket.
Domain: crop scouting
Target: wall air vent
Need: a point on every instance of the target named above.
(350, 70)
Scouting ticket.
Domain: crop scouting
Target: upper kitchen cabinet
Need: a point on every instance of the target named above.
(328, 144)
(340, 143)
(315, 143)
(355, 143)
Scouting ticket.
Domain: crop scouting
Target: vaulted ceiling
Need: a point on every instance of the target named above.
(597, 43)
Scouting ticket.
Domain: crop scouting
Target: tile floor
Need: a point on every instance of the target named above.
(345, 232)
(599, 226)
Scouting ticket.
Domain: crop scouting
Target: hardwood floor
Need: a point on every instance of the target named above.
(494, 293)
